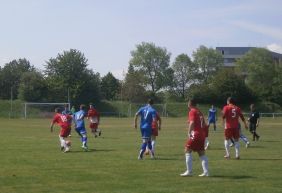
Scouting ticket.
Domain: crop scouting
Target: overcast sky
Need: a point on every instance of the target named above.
(107, 30)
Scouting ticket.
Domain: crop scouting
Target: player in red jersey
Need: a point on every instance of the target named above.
(230, 115)
(94, 117)
(64, 121)
(196, 139)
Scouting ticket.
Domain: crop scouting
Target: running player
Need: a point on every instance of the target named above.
(80, 126)
(94, 117)
(196, 139)
(230, 115)
(64, 121)
(148, 115)
(254, 122)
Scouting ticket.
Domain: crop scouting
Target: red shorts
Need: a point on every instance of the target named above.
(65, 131)
(155, 132)
(196, 142)
(93, 125)
(231, 133)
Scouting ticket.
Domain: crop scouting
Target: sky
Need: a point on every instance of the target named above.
(106, 31)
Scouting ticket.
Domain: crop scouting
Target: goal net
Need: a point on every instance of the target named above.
(42, 110)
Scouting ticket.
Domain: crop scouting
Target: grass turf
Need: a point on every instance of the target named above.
(32, 162)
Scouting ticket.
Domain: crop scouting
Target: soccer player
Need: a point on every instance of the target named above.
(94, 117)
(148, 115)
(230, 116)
(156, 126)
(80, 126)
(254, 122)
(212, 117)
(196, 139)
(66, 111)
(242, 137)
(64, 121)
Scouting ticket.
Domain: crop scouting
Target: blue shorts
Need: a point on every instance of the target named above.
(146, 133)
(80, 130)
(211, 121)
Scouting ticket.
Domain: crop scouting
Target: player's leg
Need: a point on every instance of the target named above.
(206, 143)
(205, 163)
(236, 135)
(144, 144)
(228, 136)
(188, 161)
(245, 139)
(83, 134)
(62, 142)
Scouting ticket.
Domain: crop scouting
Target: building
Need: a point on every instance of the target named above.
(231, 54)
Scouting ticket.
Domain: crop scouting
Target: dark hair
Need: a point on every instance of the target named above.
(231, 100)
(150, 101)
(252, 106)
(82, 107)
(193, 101)
(58, 110)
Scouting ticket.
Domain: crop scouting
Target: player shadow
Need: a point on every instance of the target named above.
(91, 150)
(167, 158)
(264, 159)
(233, 177)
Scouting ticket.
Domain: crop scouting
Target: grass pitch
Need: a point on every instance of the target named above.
(31, 161)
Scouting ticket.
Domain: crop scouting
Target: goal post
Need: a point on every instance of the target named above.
(41, 109)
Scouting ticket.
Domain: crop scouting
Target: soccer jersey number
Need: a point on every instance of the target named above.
(64, 118)
(233, 111)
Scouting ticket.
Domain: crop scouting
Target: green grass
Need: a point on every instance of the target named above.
(31, 161)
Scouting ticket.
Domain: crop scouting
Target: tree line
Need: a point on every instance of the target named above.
(150, 73)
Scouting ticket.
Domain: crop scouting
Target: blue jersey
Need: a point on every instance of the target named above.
(79, 118)
(212, 114)
(147, 114)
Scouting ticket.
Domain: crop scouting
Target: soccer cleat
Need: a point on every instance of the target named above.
(100, 132)
(237, 157)
(204, 175)
(84, 147)
(140, 158)
(62, 148)
(231, 145)
(227, 156)
(186, 173)
(247, 144)
(66, 150)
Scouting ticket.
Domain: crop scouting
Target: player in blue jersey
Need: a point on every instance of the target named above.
(78, 118)
(212, 117)
(148, 115)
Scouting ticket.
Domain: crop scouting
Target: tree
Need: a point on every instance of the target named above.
(110, 87)
(260, 71)
(227, 83)
(132, 88)
(33, 87)
(184, 74)
(153, 63)
(11, 75)
(68, 77)
(208, 61)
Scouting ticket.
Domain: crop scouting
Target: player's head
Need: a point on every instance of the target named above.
(230, 100)
(252, 107)
(150, 101)
(192, 103)
(82, 107)
(58, 110)
(91, 106)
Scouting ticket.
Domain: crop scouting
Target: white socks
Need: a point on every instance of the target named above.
(153, 145)
(188, 157)
(63, 142)
(205, 164)
(237, 148)
(226, 145)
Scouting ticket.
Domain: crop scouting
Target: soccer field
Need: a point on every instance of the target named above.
(31, 161)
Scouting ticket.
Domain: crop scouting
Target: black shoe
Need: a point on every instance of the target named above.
(100, 133)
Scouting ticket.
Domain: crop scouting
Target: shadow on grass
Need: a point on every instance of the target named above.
(92, 150)
(168, 158)
(264, 159)
(232, 177)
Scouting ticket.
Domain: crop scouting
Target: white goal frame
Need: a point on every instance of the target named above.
(39, 104)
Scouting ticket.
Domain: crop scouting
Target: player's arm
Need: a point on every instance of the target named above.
(191, 125)
(51, 126)
(160, 122)
(243, 119)
(223, 116)
(135, 120)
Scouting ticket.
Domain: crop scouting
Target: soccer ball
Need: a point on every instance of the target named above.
(68, 143)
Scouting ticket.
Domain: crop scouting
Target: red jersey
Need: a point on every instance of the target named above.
(155, 122)
(231, 114)
(93, 115)
(63, 120)
(197, 117)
